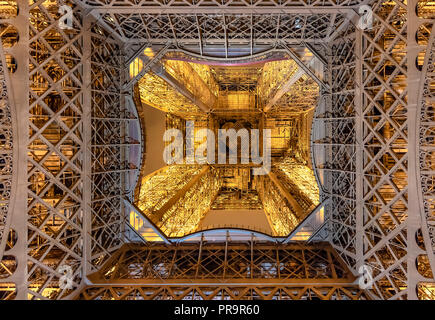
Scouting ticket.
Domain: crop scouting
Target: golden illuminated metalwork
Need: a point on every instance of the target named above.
(138, 272)
(204, 72)
(282, 216)
(426, 291)
(238, 90)
(159, 94)
(159, 187)
(274, 76)
(302, 177)
(177, 197)
(196, 84)
(70, 143)
(185, 215)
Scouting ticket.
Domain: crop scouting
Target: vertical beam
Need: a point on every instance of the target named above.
(226, 255)
(252, 255)
(359, 139)
(226, 35)
(198, 25)
(20, 92)
(251, 40)
(87, 151)
(198, 263)
(413, 84)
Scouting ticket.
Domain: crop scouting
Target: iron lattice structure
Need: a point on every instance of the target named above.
(236, 271)
(66, 111)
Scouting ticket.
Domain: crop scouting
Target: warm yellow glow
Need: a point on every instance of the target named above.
(138, 223)
(149, 53)
(241, 100)
(274, 75)
(157, 188)
(137, 65)
(204, 72)
(303, 177)
(184, 217)
(197, 84)
(426, 291)
(157, 93)
(281, 217)
(227, 90)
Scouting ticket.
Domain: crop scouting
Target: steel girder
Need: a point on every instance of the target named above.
(371, 175)
(8, 157)
(230, 270)
(72, 142)
(229, 29)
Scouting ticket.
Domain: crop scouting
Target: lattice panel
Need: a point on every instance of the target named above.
(338, 167)
(282, 215)
(184, 216)
(58, 199)
(109, 145)
(218, 261)
(220, 27)
(229, 34)
(6, 157)
(212, 3)
(223, 292)
(152, 272)
(384, 73)
(55, 157)
(426, 38)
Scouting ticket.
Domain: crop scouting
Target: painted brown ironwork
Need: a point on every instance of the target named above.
(255, 270)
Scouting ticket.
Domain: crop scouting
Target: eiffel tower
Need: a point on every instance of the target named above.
(336, 97)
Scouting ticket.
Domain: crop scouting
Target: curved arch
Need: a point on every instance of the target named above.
(424, 127)
(241, 230)
(319, 110)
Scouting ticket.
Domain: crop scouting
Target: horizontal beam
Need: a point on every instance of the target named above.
(221, 10)
(228, 281)
(262, 43)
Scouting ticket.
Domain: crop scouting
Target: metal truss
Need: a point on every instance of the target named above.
(223, 292)
(227, 28)
(8, 240)
(64, 164)
(74, 122)
(333, 145)
(424, 133)
(227, 270)
(371, 174)
(110, 142)
(145, 5)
